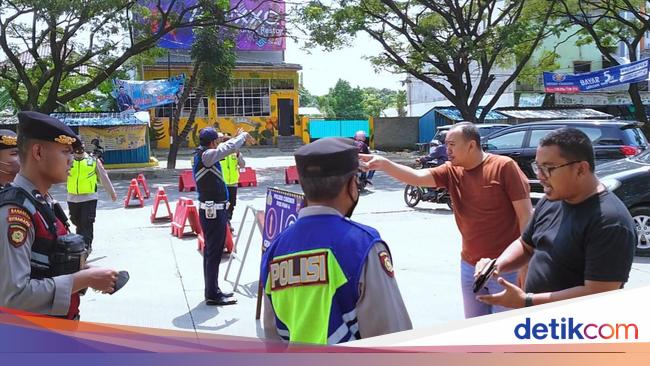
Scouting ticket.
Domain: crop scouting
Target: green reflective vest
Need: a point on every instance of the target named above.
(230, 169)
(83, 176)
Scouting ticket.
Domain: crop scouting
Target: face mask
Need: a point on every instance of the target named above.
(11, 168)
(354, 203)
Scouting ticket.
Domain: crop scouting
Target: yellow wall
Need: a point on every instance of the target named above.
(263, 129)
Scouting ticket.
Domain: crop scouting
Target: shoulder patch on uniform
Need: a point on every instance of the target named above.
(20, 217)
(386, 263)
(17, 234)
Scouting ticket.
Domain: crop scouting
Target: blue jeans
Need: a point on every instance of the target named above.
(473, 307)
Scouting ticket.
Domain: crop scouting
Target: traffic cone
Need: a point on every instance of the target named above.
(161, 196)
(133, 193)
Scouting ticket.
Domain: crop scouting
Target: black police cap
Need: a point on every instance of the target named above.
(328, 157)
(39, 126)
(7, 139)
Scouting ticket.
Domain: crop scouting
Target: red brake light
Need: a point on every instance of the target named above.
(630, 150)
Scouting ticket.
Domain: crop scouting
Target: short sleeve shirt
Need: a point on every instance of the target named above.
(482, 199)
(593, 240)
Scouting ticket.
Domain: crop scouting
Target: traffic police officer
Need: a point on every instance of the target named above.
(40, 266)
(327, 278)
(213, 203)
(82, 192)
(9, 162)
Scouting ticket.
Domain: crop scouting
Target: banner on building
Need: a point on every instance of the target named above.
(281, 211)
(139, 95)
(116, 138)
(592, 99)
(264, 21)
(612, 76)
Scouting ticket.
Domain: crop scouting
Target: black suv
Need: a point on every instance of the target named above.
(484, 129)
(612, 140)
(629, 179)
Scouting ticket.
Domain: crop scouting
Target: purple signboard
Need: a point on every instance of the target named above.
(281, 211)
(265, 17)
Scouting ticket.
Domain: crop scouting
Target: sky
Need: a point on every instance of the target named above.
(321, 70)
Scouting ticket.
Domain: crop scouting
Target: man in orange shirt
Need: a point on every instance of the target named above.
(491, 202)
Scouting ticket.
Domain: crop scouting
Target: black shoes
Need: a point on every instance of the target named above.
(222, 299)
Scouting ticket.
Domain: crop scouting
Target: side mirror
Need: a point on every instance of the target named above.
(484, 146)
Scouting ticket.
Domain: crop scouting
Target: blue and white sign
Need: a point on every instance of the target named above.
(141, 95)
(575, 83)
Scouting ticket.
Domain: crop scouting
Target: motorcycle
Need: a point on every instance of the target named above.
(414, 194)
(363, 180)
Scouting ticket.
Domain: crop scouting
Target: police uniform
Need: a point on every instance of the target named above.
(328, 279)
(35, 268)
(8, 140)
(230, 166)
(82, 193)
(213, 205)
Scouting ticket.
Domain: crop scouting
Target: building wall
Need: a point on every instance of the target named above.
(263, 128)
(396, 132)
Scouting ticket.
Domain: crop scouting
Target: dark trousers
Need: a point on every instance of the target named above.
(82, 215)
(232, 198)
(214, 233)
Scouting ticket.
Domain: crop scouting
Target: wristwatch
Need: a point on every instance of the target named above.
(529, 299)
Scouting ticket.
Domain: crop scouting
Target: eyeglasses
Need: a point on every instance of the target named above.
(547, 170)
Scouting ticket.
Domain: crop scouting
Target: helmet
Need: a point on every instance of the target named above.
(360, 135)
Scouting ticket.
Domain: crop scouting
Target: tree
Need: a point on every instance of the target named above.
(400, 103)
(345, 101)
(306, 98)
(5, 101)
(85, 40)
(213, 59)
(607, 23)
(455, 47)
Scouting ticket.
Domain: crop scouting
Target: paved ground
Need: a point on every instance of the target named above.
(166, 286)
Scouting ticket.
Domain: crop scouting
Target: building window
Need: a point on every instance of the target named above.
(164, 111)
(246, 97)
(581, 66)
(192, 100)
(282, 84)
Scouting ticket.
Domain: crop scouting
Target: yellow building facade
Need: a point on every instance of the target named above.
(263, 100)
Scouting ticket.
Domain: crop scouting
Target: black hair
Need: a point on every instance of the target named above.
(469, 131)
(574, 145)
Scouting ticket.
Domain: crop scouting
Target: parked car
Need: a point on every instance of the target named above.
(485, 129)
(612, 140)
(629, 179)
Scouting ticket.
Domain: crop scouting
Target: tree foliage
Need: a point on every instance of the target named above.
(455, 47)
(59, 50)
(213, 61)
(608, 23)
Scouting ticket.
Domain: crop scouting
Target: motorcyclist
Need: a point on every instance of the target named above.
(437, 152)
(437, 155)
(360, 141)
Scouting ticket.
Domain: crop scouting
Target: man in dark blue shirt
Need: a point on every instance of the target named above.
(124, 101)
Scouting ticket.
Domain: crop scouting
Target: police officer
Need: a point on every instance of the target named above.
(82, 191)
(9, 162)
(327, 278)
(40, 266)
(213, 203)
